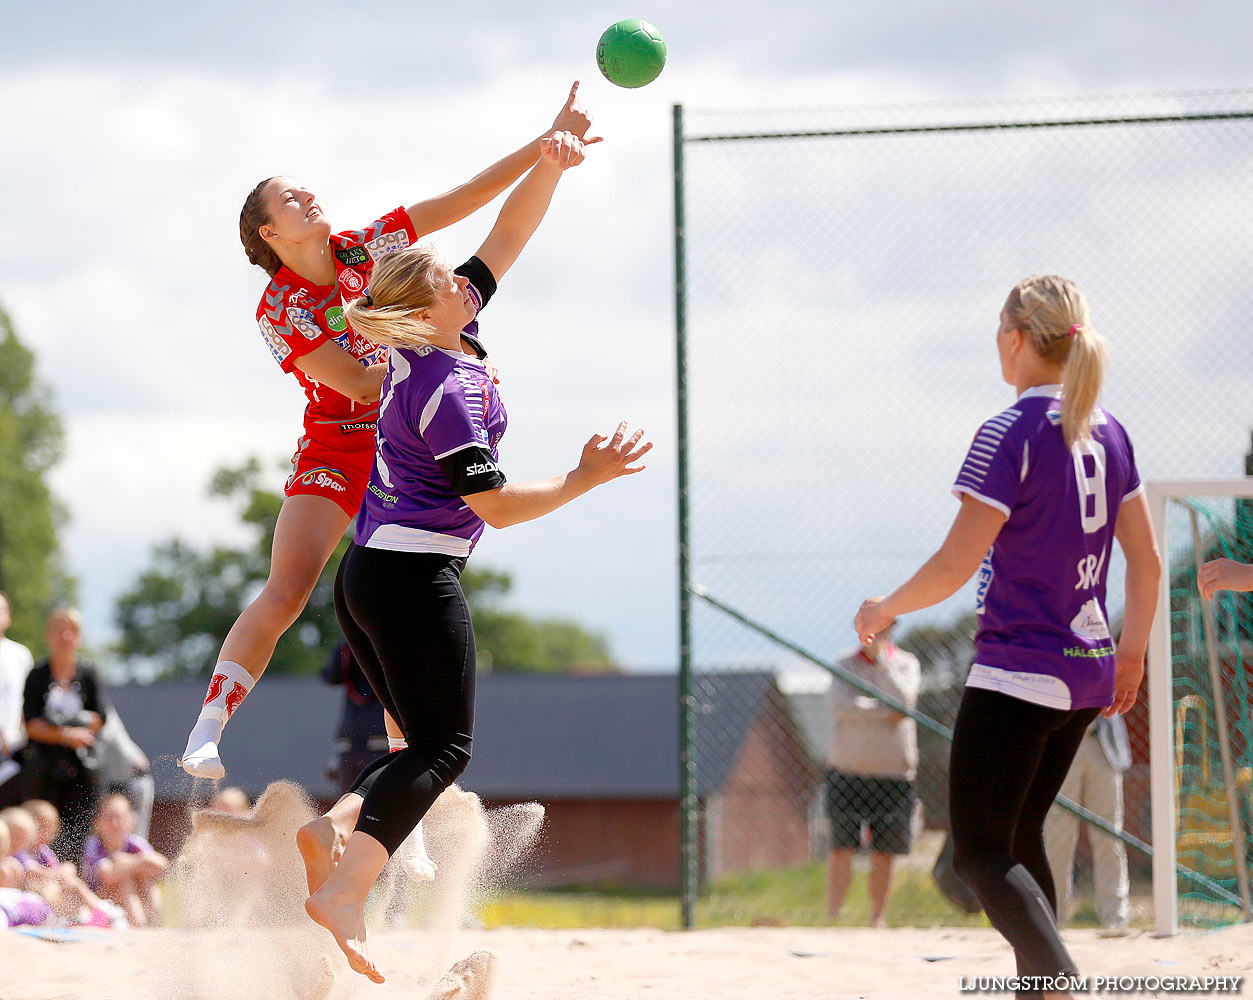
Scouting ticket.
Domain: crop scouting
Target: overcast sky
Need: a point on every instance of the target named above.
(132, 133)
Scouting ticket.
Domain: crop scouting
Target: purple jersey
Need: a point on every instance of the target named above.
(440, 422)
(94, 853)
(1043, 634)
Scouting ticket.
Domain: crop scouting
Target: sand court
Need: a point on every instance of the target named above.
(243, 936)
(724, 964)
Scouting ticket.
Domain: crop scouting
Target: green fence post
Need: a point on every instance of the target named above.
(687, 761)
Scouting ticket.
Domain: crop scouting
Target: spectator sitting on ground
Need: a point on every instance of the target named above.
(10, 867)
(40, 873)
(121, 866)
(74, 892)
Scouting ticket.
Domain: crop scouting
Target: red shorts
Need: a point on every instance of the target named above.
(339, 474)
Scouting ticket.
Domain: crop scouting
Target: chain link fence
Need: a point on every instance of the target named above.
(839, 279)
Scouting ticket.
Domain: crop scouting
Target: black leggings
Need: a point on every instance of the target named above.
(406, 620)
(1008, 762)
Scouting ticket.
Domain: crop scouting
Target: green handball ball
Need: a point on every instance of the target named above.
(631, 53)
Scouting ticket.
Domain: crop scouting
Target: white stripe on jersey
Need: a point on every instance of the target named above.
(402, 538)
(460, 447)
(987, 441)
(428, 411)
(959, 489)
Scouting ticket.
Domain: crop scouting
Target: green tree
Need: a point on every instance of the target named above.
(174, 618)
(32, 572)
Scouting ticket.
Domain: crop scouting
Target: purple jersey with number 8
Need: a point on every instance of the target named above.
(1043, 633)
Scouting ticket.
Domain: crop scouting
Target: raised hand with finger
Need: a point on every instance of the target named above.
(574, 118)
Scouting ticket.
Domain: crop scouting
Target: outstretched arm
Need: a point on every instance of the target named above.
(465, 199)
(1134, 531)
(972, 534)
(601, 463)
(524, 209)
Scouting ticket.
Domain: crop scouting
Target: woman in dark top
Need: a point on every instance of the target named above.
(64, 705)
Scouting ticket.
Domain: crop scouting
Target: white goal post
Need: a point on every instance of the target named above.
(1162, 708)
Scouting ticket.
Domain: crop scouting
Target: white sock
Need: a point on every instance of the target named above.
(416, 861)
(228, 687)
(395, 743)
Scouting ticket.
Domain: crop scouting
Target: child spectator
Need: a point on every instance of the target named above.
(40, 872)
(121, 866)
(10, 867)
(77, 901)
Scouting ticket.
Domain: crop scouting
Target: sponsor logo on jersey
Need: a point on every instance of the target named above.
(983, 580)
(304, 321)
(335, 319)
(352, 281)
(364, 425)
(487, 398)
(481, 468)
(325, 477)
(277, 345)
(385, 497)
(352, 256)
(1082, 652)
(1090, 622)
(297, 297)
(387, 243)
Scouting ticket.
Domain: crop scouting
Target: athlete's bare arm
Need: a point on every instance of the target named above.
(331, 365)
(1134, 531)
(972, 534)
(524, 209)
(465, 199)
(601, 462)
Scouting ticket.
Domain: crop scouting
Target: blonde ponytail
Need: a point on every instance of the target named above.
(401, 285)
(1053, 313)
(1081, 385)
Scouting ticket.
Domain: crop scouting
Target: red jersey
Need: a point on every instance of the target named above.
(297, 317)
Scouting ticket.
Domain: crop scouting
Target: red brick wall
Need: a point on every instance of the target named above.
(761, 817)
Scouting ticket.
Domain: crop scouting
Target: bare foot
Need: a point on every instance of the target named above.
(320, 847)
(347, 926)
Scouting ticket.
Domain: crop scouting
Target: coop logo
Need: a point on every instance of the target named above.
(352, 281)
(335, 320)
(481, 468)
(983, 581)
(304, 321)
(352, 256)
(326, 478)
(364, 425)
(387, 243)
(385, 497)
(277, 345)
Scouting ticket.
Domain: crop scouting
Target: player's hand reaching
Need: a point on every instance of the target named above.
(605, 460)
(1128, 672)
(871, 619)
(1223, 574)
(574, 118)
(563, 148)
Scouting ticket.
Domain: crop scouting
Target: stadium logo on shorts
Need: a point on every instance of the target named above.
(326, 477)
(352, 256)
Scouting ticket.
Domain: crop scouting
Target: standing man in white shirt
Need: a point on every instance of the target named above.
(15, 664)
(872, 763)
